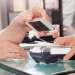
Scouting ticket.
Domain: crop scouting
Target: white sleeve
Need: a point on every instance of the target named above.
(68, 11)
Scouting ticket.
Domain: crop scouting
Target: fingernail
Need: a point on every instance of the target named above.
(64, 59)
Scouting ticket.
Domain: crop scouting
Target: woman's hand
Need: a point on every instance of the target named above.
(17, 29)
(12, 36)
(67, 41)
(11, 50)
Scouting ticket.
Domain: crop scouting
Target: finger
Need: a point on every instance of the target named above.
(56, 26)
(56, 34)
(50, 33)
(14, 48)
(22, 18)
(40, 34)
(14, 55)
(48, 19)
(59, 41)
(27, 17)
(70, 54)
(19, 51)
(27, 28)
(40, 11)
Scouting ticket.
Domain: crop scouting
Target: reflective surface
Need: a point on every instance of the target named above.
(3, 72)
(31, 67)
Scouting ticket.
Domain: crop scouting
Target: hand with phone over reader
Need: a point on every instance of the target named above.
(40, 24)
(42, 27)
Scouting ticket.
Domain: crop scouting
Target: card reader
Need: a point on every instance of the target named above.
(48, 54)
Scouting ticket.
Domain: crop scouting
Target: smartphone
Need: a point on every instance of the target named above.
(40, 24)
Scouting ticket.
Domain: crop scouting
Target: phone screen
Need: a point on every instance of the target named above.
(39, 26)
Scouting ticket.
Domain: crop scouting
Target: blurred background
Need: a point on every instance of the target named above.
(11, 8)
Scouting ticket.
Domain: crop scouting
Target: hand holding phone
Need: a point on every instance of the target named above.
(40, 24)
